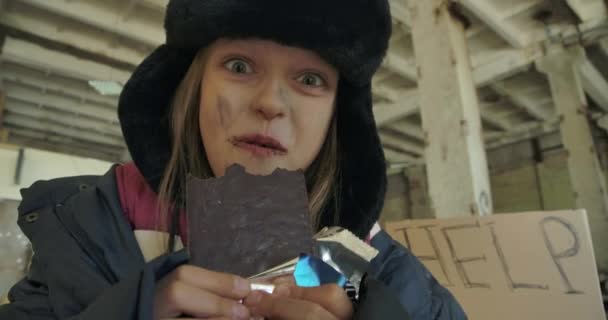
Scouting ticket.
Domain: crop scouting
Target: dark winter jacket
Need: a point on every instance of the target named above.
(87, 263)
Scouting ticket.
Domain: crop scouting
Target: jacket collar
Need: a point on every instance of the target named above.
(89, 209)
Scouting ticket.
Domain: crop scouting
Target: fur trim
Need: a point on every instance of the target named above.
(352, 35)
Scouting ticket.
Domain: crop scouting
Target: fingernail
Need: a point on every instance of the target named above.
(241, 286)
(281, 290)
(240, 312)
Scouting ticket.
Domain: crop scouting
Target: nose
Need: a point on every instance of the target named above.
(270, 101)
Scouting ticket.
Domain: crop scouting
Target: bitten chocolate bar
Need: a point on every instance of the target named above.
(245, 224)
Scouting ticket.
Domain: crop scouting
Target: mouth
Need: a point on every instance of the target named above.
(259, 144)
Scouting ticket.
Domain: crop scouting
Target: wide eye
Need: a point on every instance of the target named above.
(238, 66)
(311, 80)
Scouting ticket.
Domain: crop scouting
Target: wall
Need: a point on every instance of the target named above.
(534, 186)
(523, 176)
(396, 202)
(40, 165)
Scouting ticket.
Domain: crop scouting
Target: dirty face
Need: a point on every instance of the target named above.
(264, 105)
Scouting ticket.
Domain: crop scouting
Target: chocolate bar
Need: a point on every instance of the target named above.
(244, 224)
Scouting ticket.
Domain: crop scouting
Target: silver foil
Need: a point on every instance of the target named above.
(345, 252)
(266, 287)
(337, 247)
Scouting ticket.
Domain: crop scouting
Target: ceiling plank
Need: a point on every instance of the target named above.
(494, 119)
(77, 89)
(61, 63)
(603, 45)
(401, 65)
(412, 130)
(395, 154)
(516, 8)
(57, 143)
(42, 124)
(521, 132)
(398, 148)
(602, 122)
(97, 14)
(158, 5)
(505, 64)
(588, 10)
(523, 101)
(403, 136)
(59, 102)
(391, 94)
(389, 138)
(63, 118)
(487, 67)
(41, 135)
(387, 112)
(71, 34)
(489, 14)
(400, 12)
(594, 83)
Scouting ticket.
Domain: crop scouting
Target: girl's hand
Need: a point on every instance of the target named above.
(200, 293)
(289, 302)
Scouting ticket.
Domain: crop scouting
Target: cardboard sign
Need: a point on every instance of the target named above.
(537, 265)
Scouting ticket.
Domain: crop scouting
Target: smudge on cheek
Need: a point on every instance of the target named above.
(224, 110)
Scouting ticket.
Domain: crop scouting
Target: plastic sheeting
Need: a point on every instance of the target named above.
(15, 248)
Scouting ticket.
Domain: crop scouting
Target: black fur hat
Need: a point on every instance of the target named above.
(352, 35)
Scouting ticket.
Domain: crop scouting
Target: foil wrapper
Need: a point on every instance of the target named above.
(312, 272)
(345, 252)
(340, 258)
(266, 287)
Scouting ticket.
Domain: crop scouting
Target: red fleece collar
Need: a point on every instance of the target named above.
(139, 202)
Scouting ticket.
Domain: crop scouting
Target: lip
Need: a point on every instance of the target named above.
(259, 145)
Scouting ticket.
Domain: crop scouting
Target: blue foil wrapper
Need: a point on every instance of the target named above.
(339, 258)
(312, 272)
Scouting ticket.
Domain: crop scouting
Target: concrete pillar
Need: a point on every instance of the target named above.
(3, 130)
(586, 175)
(2, 105)
(455, 156)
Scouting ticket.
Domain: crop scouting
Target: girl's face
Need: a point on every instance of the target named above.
(264, 105)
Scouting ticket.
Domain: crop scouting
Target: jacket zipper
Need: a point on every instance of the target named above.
(85, 243)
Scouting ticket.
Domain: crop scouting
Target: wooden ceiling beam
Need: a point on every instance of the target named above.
(95, 14)
(59, 62)
(490, 15)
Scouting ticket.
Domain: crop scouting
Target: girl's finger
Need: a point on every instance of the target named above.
(278, 307)
(225, 285)
(331, 297)
(190, 300)
(287, 280)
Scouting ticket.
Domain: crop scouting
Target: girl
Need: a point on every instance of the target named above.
(266, 84)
